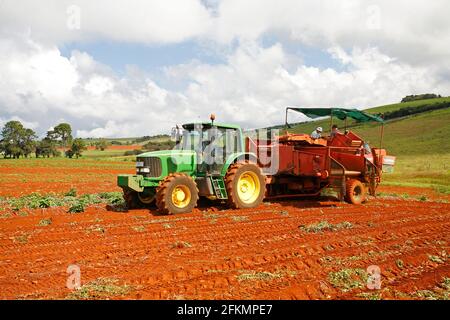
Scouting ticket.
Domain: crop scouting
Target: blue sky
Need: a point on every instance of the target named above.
(149, 58)
(153, 58)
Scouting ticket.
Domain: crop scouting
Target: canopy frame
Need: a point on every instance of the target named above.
(340, 113)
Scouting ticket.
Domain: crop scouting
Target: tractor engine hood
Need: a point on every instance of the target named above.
(167, 153)
(159, 164)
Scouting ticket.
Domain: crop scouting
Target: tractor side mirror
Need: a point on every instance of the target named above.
(176, 134)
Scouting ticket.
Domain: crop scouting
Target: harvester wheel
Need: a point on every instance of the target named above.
(177, 193)
(355, 192)
(245, 184)
(131, 199)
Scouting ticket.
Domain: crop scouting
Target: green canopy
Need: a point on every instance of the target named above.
(340, 113)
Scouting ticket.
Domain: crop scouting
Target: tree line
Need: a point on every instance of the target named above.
(408, 111)
(415, 97)
(18, 141)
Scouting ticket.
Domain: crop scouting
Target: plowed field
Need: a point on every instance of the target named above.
(230, 254)
(296, 249)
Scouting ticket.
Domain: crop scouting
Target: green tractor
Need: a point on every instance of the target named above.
(209, 160)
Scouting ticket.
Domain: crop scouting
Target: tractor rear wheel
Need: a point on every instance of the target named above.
(355, 192)
(245, 184)
(177, 193)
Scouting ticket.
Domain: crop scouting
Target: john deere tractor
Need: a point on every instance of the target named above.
(209, 160)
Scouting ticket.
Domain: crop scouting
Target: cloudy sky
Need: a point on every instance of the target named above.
(136, 67)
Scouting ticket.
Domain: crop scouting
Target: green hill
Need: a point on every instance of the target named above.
(417, 103)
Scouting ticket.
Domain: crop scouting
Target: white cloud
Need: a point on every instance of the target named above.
(255, 85)
(26, 124)
(149, 21)
(417, 31)
(384, 52)
(397, 27)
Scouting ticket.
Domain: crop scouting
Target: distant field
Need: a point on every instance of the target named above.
(57, 175)
(431, 171)
(126, 142)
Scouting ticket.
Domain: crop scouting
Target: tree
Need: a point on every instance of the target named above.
(62, 131)
(102, 144)
(27, 142)
(414, 97)
(76, 148)
(46, 148)
(17, 140)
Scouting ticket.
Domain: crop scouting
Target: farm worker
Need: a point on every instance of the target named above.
(316, 134)
(334, 131)
(367, 149)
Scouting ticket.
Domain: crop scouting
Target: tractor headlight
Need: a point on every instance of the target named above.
(139, 164)
(145, 170)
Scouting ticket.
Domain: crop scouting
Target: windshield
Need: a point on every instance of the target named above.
(208, 139)
(188, 140)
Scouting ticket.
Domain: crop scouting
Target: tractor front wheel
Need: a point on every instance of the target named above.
(355, 192)
(245, 185)
(147, 197)
(177, 193)
(131, 199)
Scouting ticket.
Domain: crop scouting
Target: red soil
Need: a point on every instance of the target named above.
(412, 191)
(202, 254)
(146, 252)
(25, 180)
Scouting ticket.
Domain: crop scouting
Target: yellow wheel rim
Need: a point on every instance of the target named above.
(181, 196)
(248, 187)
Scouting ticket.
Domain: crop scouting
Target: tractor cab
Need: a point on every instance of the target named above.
(208, 160)
(212, 144)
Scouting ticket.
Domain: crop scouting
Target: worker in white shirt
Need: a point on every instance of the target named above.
(316, 134)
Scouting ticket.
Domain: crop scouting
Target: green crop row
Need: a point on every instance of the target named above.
(70, 200)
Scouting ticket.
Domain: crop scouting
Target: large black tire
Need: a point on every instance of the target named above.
(245, 184)
(135, 200)
(177, 193)
(355, 192)
(131, 199)
(146, 198)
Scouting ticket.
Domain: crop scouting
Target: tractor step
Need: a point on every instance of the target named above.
(219, 187)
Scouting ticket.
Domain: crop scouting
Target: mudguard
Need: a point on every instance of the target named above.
(133, 182)
(236, 157)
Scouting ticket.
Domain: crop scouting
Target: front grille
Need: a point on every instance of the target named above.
(153, 163)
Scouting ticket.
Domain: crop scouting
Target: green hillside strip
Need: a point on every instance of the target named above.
(425, 133)
(397, 106)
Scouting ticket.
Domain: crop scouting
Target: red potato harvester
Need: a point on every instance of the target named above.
(306, 166)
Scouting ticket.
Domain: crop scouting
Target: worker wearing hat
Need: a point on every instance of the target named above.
(316, 134)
